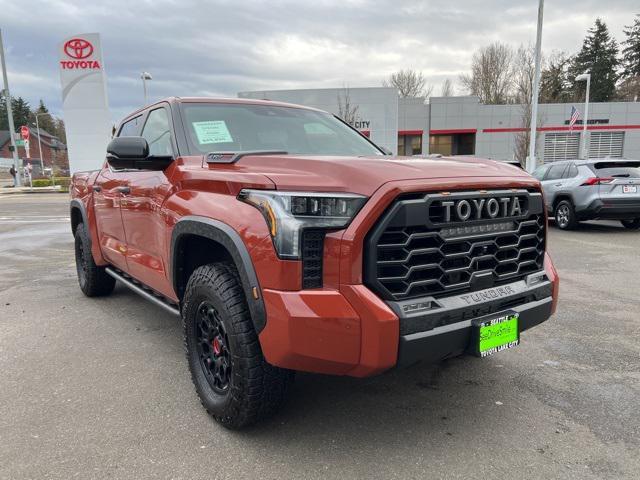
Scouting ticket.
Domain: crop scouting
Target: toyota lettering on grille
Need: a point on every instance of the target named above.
(481, 209)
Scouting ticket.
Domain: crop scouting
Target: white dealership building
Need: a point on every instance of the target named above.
(465, 126)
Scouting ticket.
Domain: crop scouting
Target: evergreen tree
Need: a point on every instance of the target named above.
(598, 56)
(554, 84)
(59, 130)
(45, 119)
(631, 50)
(21, 112)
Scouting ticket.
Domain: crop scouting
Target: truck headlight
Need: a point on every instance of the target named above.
(289, 213)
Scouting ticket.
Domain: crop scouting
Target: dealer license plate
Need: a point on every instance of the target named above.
(495, 334)
(629, 189)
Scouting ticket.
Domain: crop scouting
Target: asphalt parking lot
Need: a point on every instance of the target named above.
(100, 388)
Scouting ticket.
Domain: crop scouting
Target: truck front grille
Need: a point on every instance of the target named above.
(420, 248)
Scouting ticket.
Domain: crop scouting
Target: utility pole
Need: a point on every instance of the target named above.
(531, 159)
(12, 127)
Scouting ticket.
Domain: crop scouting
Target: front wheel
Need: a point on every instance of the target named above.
(565, 216)
(235, 383)
(94, 280)
(631, 224)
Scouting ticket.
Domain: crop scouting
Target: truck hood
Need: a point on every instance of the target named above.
(364, 175)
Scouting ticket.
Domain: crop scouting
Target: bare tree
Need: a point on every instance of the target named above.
(491, 74)
(447, 88)
(523, 73)
(410, 84)
(347, 111)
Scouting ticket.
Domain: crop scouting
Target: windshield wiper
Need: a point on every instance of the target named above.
(233, 157)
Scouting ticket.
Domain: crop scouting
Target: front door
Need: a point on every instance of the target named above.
(144, 223)
(109, 189)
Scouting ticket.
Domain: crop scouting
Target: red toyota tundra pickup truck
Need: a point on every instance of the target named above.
(286, 241)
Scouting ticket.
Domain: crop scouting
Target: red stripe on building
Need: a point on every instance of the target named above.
(410, 132)
(453, 131)
(563, 128)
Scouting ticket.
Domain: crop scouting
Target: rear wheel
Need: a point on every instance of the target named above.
(94, 280)
(631, 224)
(235, 383)
(565, 215)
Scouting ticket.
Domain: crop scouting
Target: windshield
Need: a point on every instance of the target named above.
(229, 127)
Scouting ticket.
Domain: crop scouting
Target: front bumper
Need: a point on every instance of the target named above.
(351, 331)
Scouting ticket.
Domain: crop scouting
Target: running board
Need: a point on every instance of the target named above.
(144, 292)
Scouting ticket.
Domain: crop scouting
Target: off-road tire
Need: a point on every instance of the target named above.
(94, 280)
(254, 389)
(565, 215)
(631, 224)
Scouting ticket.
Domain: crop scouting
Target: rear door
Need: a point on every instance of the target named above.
(144, 224)
(619, 180)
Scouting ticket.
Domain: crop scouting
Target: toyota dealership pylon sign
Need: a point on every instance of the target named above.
(84, 100)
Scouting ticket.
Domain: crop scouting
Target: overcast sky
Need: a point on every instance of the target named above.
(218, 48)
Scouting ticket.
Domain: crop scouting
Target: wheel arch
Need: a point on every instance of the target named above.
(560, 197)
(191, 238)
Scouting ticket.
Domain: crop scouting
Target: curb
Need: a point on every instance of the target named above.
(19, 190)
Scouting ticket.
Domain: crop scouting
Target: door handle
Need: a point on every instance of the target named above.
(123, 190)
(558, 185)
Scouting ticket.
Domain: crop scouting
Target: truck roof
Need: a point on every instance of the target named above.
(243, 101)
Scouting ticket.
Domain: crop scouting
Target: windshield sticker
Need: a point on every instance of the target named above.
(214, 131)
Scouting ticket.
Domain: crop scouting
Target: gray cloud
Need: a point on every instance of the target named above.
(222, 47)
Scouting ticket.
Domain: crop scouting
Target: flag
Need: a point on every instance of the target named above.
(575, 115)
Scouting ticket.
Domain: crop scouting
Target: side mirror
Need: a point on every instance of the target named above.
(132, 153)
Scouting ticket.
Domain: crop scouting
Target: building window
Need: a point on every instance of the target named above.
(606, 144)
(561, 146)
(453, 144)
(409, 145)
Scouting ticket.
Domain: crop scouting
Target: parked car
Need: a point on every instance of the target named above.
(596, 189)
(287, 241)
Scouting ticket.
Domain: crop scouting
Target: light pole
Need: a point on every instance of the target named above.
(581, 78)
(531, 159)
(12, 127)
(145, 76)
(40, 143)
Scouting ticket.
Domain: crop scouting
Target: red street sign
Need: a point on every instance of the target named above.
(24, 132)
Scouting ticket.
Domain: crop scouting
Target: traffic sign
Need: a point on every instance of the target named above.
(24, 132)
(20, 143)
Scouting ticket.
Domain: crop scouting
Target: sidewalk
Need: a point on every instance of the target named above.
(11, 190)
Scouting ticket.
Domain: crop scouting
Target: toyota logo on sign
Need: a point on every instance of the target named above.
(78, 48)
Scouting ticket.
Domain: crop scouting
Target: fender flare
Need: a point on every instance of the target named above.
(76, 204)
(230, 239)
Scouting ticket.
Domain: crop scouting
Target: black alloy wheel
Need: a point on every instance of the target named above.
(213, 348)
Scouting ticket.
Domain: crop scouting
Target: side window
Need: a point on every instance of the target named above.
(555, 172)
(131, 127)
(158, 133)
(539, 172)
(571, 171)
